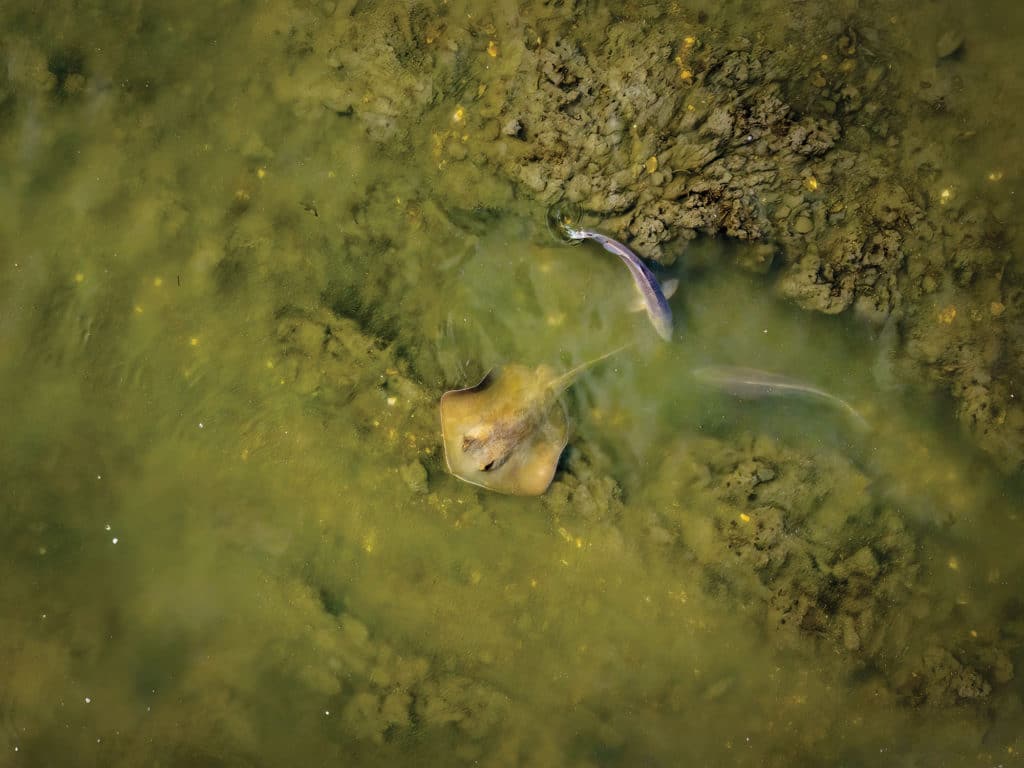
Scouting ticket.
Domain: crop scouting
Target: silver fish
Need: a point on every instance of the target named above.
(654, 300)
(752, 384)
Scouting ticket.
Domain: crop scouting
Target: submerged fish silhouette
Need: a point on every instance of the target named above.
(751, 384)
(654, 299)
(508, 432)
(562, 219)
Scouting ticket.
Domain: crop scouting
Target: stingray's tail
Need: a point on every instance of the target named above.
(564, 381)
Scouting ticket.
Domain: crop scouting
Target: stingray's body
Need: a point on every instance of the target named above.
(507, 433)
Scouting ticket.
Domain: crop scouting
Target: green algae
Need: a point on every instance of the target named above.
(232, 300)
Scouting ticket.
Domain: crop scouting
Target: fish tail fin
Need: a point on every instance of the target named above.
(856, 418)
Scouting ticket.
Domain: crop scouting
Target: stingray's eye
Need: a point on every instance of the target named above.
(495, 463)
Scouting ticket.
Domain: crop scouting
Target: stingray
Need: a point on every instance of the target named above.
(507, 433)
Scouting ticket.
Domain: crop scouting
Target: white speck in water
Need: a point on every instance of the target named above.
(327, 712)
(99, 477)
(88, 700)
(200, 425)
(107, 526)
(114, 540)
(765, 331)
(16, 749)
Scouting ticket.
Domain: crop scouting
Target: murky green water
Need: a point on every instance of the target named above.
(228, 307)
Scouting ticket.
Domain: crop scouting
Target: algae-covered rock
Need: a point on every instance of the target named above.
(826, 562)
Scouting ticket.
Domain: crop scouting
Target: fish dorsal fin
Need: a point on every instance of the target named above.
(668, 289)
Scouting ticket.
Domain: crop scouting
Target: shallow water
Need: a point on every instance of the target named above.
(226, 315)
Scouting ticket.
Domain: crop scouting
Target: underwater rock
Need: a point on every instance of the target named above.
(585, 489)
(352, 378)
(414, 475)
(949, 43)
(803, 538)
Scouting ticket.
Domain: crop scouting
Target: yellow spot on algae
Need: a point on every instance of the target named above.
(744, 517)
(953, 564)
(194, 341)
(270, 365)
(579, 543)
(689, 41)
(369, 542)
(157, 282)
(945, 196)
(533, 583)
(475, 577)
(138, 309)
(651, 165)
(812, 183)
(686, 75)
(995, 176)
(261, 173)
(996, 308)
(824, 57)
(245, 454)
(459, 114)
(392, 400)
(974, 633)
(79, 277)
(947, 315)
(492, 49)
(681, 596)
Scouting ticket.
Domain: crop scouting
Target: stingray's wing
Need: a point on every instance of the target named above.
(531, 467)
